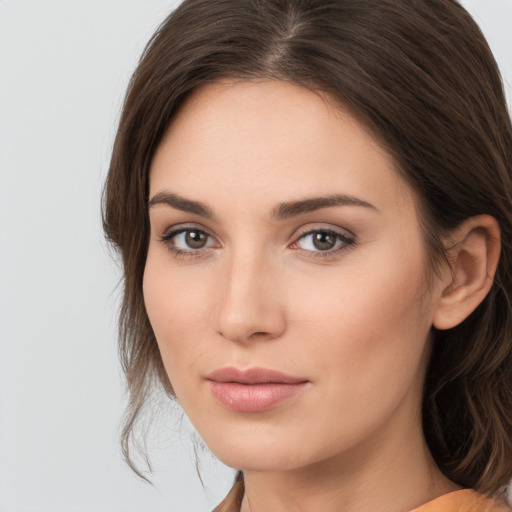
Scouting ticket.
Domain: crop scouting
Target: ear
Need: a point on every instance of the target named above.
(473, 255)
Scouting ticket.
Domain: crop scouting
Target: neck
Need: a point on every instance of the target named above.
(380, 475)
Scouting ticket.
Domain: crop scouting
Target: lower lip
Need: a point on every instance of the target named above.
(253, 397)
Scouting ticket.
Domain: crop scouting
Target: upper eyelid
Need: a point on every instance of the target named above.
(179, 228)
(344, 237)
(171, 232)
(327, 227)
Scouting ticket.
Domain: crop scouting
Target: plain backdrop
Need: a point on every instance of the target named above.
(64, 66)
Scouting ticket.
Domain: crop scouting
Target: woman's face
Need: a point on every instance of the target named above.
(285, 278)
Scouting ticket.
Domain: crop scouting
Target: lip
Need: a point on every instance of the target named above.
(253, 390)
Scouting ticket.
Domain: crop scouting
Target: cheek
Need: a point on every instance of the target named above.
(175, 301)
(368, 321)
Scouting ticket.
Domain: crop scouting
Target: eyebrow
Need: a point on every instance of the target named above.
(295, 208)
(180, 203)
(281, 212)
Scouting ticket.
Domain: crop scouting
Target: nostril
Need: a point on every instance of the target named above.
(243, 335)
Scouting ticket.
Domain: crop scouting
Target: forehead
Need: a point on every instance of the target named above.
(275, 141)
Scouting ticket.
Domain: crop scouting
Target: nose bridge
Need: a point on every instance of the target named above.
(249, 305)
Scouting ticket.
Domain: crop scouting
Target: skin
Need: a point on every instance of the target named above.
(353, 321)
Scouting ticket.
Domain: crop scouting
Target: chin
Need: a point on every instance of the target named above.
(258, 459)
(267, 447)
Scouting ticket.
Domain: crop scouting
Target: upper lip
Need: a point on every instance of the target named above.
(253, 376)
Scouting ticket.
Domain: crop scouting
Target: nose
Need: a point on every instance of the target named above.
(250, 306)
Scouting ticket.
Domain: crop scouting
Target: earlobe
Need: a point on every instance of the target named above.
(473, 261)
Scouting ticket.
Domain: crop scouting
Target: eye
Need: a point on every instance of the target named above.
(188, 240)
(191, 239)
(323, 241)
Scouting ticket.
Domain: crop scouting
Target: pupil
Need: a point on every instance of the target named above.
(195, 239)
(324, 241)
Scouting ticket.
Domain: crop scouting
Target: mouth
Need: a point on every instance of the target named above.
(253, 390)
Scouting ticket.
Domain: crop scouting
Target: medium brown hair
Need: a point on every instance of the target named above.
(421, 77)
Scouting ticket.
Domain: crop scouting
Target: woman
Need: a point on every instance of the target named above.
(313, 204)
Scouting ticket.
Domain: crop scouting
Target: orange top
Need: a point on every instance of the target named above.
(465, 500)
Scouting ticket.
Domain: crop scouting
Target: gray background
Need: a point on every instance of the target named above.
(64, 67)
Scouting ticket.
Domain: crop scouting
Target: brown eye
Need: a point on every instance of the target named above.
(323, 240)
(188, 240)
(195, 239)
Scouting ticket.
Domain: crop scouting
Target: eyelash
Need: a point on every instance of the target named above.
(344, 241)
(168, 238)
